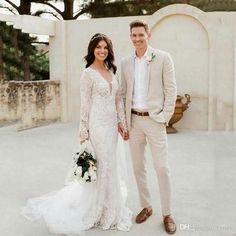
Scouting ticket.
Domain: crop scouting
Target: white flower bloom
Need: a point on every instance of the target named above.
(93, 177)
(86, 176)
(94, 168)
(91, 171)
(74, 168)
(79, 170)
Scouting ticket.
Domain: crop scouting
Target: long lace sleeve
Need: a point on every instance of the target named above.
(120, 109)
(85, 98)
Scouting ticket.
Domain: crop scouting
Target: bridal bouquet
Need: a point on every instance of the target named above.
(85, 165)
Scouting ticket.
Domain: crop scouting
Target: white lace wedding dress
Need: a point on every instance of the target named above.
(78, 207)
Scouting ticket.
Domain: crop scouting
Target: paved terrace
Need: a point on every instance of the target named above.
(203, 165)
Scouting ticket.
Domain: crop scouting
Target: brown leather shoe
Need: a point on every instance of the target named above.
(143, 215)
(169, 225)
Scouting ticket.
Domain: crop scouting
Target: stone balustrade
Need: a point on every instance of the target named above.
(29, 103)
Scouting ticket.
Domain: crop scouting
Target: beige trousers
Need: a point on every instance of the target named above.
(142, 128)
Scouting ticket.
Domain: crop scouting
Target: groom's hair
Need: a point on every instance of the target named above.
(139, 23)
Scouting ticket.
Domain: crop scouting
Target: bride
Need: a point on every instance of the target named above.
(78, 207)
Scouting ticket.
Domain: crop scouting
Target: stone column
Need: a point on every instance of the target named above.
(234, 89)
(58, 64)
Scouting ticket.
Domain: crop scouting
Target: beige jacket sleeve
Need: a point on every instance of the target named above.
(170, 90)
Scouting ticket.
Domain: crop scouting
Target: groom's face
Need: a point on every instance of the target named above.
(139, 37)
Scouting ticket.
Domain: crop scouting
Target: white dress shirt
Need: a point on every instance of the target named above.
(140, 85)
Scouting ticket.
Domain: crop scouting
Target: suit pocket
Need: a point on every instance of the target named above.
(158, 117)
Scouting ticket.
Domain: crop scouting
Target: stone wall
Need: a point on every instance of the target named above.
(202, 44)
(30, 104)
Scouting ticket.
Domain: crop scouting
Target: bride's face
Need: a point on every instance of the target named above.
(101, 51)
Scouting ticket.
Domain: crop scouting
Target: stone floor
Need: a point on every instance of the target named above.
(203, 165)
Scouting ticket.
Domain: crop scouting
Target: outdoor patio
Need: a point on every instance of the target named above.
(35, 161)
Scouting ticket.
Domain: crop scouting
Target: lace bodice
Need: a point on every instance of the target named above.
(96, 91)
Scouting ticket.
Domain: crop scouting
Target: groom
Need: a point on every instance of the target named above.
(149, 90)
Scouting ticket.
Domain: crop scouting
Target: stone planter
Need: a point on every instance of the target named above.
(180, 107)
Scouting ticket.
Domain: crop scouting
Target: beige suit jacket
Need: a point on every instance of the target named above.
(161, 84)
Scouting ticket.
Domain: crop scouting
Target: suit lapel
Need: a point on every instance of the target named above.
(131, 71)
(148, 68)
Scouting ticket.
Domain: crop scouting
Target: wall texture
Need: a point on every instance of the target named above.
(30, 104)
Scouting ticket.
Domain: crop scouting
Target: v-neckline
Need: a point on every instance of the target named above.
(103, 78)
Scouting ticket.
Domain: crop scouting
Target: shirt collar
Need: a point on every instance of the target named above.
(144, 56)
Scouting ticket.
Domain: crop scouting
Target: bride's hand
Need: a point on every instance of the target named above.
(124, 134)
(82, 141)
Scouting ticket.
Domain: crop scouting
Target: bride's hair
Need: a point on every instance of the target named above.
(109, 61)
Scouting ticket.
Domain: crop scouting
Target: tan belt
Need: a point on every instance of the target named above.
(138, 113)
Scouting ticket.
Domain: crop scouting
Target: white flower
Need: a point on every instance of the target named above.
(92, 173)
(86, 176)
(74, 167)
(93, 177)
(79, 170)
(94, 168)
(90, 170)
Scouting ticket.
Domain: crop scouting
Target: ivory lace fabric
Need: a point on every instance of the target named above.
(81, 206)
